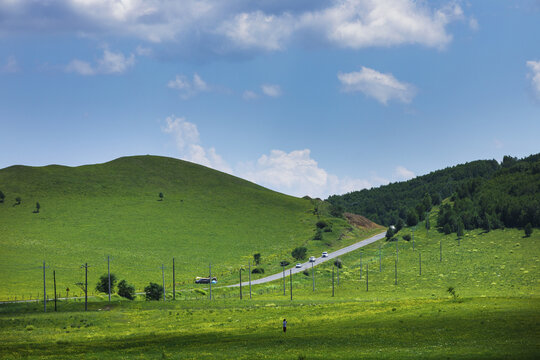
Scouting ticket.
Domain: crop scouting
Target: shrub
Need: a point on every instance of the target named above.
(160, 196)
(299, 253)
(153, 291)
(389, 233)
(2, 197)
(18, 200)
(338, 263)
(103, 283)
(400, 224)
(321, 224)
(528, 230)
(305, 272)
(257, 258)
(284, 263)
(257, 270)
(412, 217)
(447, 229)
(126, 290)
(407, 237)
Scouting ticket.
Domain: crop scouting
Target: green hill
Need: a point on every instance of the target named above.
(89, 212)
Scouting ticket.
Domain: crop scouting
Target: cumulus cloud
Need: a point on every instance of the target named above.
(402, 173)
(217, 27)
(11, 66)
(187, 140)
(534, 76)
(188, 88)
(382, 87)
(297, 173)
(110, 63)
(271, 90)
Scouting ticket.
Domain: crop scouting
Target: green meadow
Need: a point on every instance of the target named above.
(493, 312)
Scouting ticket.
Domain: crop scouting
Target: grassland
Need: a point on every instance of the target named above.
(495, 314)
(90, 212)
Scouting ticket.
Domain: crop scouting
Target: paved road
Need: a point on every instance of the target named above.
(319, 260)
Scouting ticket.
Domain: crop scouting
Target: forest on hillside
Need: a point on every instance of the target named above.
(483, 194)
(386, 204)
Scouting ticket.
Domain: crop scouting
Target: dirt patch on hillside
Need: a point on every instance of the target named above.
(360, 221)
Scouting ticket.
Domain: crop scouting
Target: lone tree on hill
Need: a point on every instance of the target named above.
(153, 291)
(528, 230)
(299, 253)
(103, 283)
(412, 217)
(2, 197)
(37, 207)
(160, 196)
(257, 258)
(126, 290)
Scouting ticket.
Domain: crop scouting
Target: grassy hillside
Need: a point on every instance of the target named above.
(386, 204)
(89, 212)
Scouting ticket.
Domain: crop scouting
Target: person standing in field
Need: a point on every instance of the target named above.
(284, 325)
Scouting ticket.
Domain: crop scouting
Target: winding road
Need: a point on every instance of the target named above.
(318, 261)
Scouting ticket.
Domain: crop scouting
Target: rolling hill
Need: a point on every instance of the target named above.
(92, 211)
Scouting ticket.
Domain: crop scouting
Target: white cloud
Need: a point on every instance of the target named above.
(214, 28)
(143, 51)
(402, 173)
(186, 137)
(473, 24)
(382, 87)
(188, 88)
(297, 173)
(110, 63)
(271, 90)
(249, 95)
(534, 75)
(11, 66)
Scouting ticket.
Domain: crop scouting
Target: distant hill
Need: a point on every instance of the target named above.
(89, 212)
(386, 204)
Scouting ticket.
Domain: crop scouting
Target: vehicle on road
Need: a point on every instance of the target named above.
(325, 254)
(205, 280)
(298, 266)
(312, 259)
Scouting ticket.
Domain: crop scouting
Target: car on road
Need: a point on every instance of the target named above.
(298, 266)
(325, 254)
(205, 280)
(312, 259)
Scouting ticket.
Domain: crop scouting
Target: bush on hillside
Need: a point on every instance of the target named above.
(338, 263)
(299, 253)
(407, 237)
(2, 197)
(153, 291)
(318, 235)
(17, 201)
(103, 283)
(389, 233)
(257, 258)
(447, 229)
(284, 263)
(321, 224)
(257, 270)
(412, 218)
(528, 230)
(126, 290)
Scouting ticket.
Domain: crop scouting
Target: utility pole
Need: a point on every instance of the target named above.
(54, 281)
(290, 275)
(210, 271)
(395, 274)
(250, 279)
(313, 276)
(440, 251)
(361, 264)
(44, 290)
(413, 239)
(173, 282)
(85, 286)
(420, 262)
(397, 250)
(367, 277)
(380, 262)
(163, 279)
(338, 262)
(333, 267)
(283, 280)
(109, 273)
(240, 272)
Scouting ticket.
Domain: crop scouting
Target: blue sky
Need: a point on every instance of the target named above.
(303, 97)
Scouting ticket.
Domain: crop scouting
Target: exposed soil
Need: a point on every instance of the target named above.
(360, 221)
